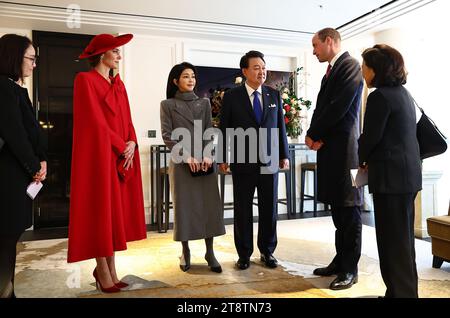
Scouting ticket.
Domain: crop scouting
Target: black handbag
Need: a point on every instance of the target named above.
(432, 141)
(201, 173)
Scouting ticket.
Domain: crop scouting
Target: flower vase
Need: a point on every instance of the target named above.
(292, 140)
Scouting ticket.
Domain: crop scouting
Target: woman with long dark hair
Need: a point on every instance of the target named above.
(198, 211)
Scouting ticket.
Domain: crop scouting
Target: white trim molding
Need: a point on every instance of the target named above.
(124, 23)
(426, 202)
(381, 16)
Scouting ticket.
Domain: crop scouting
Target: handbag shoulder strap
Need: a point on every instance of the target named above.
(423, 114)
(415, 103)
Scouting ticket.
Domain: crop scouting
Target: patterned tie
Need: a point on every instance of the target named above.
(327, 74)
(257, 107)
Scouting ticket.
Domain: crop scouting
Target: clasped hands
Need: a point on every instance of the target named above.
(128, 154)
(196, 166)
(313, 145)
(41, 174)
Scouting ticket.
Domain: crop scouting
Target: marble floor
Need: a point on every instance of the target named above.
(151, 268)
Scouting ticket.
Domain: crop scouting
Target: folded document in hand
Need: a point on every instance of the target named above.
(360, 177)
(33, 189)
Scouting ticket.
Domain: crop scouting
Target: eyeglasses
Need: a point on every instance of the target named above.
(33, 59)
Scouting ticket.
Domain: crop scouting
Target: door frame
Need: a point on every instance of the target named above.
(39, 38)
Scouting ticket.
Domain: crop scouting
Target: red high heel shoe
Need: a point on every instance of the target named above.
(112, 289)
(121, 284)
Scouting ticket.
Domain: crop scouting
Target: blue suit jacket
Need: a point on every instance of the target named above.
(237, 112)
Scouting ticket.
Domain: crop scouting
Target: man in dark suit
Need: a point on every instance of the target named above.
(257, 110)
(334, 133)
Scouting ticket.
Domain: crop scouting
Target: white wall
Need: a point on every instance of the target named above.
(419, 37)
(146, 61)
(428, 83)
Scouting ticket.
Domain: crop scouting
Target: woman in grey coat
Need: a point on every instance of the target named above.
(196, 201)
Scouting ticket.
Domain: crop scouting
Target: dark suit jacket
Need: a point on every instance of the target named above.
(336, 122)
(237, 112)
(20, 157)
(389, 144)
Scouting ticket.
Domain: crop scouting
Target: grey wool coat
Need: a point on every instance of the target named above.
(196, 201)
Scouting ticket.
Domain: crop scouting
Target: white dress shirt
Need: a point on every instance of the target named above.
(251, 96)
(335, 58)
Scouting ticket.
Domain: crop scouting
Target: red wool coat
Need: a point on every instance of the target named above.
(105, 211)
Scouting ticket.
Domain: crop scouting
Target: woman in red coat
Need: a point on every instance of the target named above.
(106, 206)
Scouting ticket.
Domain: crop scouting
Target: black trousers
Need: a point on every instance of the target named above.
(347, 221)
(8, 253)
(244, 186)
(394, 225)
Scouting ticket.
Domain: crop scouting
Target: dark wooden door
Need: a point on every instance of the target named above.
(56, 68)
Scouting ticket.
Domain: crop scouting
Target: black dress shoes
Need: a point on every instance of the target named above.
(326, 271)
(185, 262)
(216, 269)
(243, 263)
(213, 264)
(344, 281)
(185, 268)
(269, 260)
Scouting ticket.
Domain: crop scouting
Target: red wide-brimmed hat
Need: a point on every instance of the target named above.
(104, 42)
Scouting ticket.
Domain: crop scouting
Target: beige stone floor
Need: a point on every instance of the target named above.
(151, 268)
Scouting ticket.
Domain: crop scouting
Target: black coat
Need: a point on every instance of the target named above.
(389, 144)
(237, 112)
(336, 122)
(20, 156)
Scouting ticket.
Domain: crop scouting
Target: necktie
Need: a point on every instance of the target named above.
(328, 71)
(257, 107)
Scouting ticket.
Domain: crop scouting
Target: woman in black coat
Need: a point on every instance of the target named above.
(388, 148)
(22, 157)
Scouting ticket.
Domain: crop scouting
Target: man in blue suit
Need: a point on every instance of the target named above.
(257, 110)
(334, 133)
